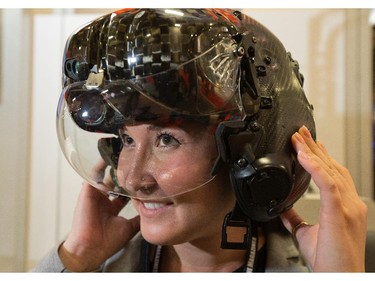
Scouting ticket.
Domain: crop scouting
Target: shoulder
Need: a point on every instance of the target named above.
(127, 259)
(282, 252)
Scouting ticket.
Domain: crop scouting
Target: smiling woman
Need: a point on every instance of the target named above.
(209, 70)
(199, 117)
(163, 170)
(39, 189)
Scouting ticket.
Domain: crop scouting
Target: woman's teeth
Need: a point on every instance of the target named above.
(153, 205)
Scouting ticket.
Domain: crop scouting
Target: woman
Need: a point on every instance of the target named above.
(198, 117)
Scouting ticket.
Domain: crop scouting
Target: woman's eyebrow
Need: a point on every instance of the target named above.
(150, 127)
(156, 127)
(153, 127)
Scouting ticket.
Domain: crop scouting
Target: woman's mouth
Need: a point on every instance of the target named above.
(153, 209)
(153, 205)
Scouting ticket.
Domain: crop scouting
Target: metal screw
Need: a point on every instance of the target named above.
(273, 203)
(261, 70)
(240, 51)
(267, 60)
(242, 162)
(254, 127)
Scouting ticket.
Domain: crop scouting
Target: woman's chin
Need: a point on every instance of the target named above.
(160, 235)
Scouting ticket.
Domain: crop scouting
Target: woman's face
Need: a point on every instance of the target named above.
(167, 171)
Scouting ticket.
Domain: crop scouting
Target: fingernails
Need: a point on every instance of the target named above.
(299, 137)
(117, 195)
(305, 132)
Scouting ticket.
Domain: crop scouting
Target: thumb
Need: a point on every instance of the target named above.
(130, 228)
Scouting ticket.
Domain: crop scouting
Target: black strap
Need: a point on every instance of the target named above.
(236, 218)
(145, 263)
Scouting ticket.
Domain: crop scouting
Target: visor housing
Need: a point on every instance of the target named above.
(144, 66)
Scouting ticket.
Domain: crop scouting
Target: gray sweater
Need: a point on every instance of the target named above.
(282, 255)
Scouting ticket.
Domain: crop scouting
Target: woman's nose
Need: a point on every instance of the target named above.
(136, 171)
(140, 181)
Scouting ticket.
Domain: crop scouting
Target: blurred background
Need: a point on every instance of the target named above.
(38, 191)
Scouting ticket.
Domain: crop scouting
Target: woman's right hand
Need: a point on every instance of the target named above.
(98, 232)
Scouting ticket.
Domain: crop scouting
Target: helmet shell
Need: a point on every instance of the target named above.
(205, 65)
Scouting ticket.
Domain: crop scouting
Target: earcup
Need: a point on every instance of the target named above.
(262, 186)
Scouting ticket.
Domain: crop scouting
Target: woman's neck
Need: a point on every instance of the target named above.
(188, 257)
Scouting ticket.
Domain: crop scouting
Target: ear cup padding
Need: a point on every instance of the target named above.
(262, 186)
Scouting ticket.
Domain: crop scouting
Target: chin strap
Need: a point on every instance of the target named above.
(236, 219)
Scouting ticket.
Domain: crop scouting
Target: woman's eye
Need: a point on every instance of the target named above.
(168, 140)
(127, 141)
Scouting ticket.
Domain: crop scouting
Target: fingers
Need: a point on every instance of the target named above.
(293, 222)
(99, 194)
(324, 171)
(344, 173)
(118, 204)
(101, 174)
(329, 245)
(316, 160)
(133, 227)
(98, 170)
(340, 202)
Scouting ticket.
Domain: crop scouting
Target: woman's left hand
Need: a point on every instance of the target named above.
(337, 242)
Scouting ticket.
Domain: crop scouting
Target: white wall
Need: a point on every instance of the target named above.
(53, 183)
(14, 147)
(37, 179)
